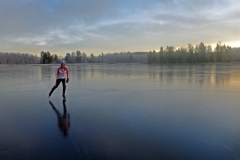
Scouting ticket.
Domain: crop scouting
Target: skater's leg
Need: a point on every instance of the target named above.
(64, 86)
(54, 87)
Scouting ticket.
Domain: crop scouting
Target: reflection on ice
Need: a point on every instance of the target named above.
(63, 119)
(121, 112)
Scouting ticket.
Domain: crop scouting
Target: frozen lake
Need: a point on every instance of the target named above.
(121, 112)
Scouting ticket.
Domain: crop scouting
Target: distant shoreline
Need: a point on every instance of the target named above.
(81, 64)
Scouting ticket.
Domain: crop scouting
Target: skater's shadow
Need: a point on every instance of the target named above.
(63, 119)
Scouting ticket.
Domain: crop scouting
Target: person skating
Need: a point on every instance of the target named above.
(61, 76)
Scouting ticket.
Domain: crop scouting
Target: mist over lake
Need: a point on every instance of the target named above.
(119, 111)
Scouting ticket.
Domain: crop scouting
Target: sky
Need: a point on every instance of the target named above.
(96, 26)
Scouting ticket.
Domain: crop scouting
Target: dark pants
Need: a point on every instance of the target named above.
(58, 81)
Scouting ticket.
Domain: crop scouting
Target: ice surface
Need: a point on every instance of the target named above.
(121, 112)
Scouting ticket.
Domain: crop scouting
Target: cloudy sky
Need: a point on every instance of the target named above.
(96, 26)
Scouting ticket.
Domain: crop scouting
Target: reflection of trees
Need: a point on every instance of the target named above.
(48, 71)
(63, 119)
(199, 74)
(92, 70)
(100, 70)
(225, 75)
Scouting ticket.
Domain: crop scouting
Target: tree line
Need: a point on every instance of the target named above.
(47, 58)
(122, 57)
(18, 58)
(200, 53)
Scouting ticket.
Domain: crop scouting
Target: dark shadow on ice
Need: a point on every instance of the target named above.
(63, 119)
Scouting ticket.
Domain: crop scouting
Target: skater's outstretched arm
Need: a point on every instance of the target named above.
(67, 74)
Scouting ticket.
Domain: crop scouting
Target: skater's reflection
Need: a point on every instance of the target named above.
(63, 119)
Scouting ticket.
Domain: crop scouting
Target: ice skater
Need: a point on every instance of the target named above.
(61, 76)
